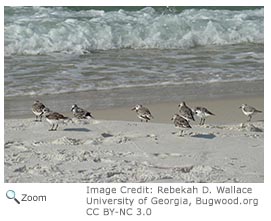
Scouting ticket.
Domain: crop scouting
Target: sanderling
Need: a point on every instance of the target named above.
(80, 113)
(37, 108)
(143, 113)
(53, 118)
(202, 113)
(180, 122)
(249, 111)
(186, 112)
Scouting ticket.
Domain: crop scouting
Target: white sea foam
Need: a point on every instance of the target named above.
(38, 30)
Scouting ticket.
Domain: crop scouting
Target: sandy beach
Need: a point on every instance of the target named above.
(117, 147)
(106, 60)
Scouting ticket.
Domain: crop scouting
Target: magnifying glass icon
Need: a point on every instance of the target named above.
(11, 195)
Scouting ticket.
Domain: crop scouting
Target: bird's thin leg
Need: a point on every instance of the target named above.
(56, 127)
(179, 133)
(203, 121)
(51, 128)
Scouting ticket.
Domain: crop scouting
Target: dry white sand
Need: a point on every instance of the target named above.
(126, 151)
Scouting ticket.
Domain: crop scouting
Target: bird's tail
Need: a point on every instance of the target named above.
(211, 113)
(89, 116)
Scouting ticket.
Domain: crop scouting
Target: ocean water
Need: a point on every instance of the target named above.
(122, 52)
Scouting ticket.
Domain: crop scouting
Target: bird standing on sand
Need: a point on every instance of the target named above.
(249, 111)
(143, 113)
(80, 113)
(202, 113)
(186, 112)
(180, 122)
(53, 118)
(37, 108)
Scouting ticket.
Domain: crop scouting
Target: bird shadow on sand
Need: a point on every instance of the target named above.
(77, 129)
(105, 135)
(204, 136)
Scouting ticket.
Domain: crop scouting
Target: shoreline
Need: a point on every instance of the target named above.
(20, 107)
(226, 110)
(109, 75)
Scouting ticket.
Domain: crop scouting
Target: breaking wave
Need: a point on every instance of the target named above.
(45, 30)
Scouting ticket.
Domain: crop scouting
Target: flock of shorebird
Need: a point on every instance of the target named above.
(180, 120)
(55, 118)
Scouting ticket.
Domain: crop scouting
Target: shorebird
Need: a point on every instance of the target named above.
(202, 113)
(80, 113)
(180, 122)
(53, 118)
(186, 112)
(249, 111)
(37, 108)
(143, 113)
